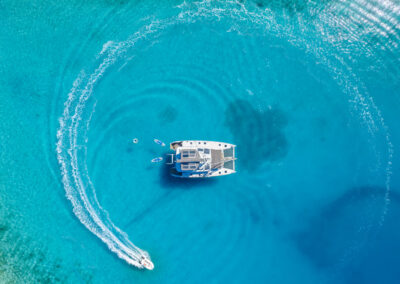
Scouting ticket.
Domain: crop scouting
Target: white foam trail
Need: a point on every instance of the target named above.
(71, 154)
(74, 123)
(106, 46)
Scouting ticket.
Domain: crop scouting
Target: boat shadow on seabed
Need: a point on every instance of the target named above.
(170, 182)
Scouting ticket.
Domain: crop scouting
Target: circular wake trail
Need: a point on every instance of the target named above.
(78, 109)
(80, 190)
(71, 154)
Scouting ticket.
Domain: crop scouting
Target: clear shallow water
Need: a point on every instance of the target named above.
(308, 92)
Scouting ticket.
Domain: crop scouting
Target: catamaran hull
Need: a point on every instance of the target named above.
(206, 152)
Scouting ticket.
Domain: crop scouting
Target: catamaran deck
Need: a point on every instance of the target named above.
(199, 158)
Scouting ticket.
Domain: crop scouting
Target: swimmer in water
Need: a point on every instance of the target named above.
(135, 140)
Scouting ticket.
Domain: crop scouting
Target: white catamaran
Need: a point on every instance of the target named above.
(200, 159)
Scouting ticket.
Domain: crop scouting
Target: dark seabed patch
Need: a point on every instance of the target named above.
(258, 133)
(168, 114)
(129, 149)
(21, 254)
(345, 238)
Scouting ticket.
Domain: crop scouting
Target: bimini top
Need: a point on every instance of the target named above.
(195, 158)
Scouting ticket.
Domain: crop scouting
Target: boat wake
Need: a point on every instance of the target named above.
(79, 107)
(71, 154)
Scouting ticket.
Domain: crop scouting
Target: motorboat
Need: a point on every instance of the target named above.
(146, 262)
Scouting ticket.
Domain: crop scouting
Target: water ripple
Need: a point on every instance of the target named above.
(80, 105)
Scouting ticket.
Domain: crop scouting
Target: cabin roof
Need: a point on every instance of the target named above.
(188, 155)
(189, 166)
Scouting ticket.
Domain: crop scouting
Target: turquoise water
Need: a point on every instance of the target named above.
(308, 91)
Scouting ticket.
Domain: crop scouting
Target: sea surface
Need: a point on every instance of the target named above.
(309, 91)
